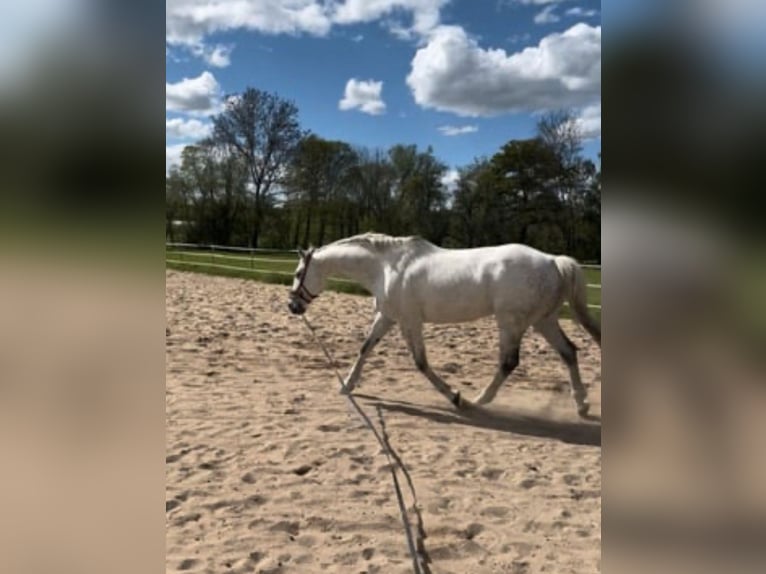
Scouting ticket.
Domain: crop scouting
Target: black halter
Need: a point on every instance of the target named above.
(302, 291)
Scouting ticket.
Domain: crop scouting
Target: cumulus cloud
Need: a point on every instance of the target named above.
(579, 12)
(197, 95)
(450, 179)
(182, 128)
(425, 13)
(504, 3)
(540, 2)
(218, 55)
(589, 122)
(364, 96)
(547, 15)
(190, 21)
(457, 130)
(451, 72)
(173, 155)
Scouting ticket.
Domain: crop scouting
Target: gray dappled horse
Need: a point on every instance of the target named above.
(415, 282)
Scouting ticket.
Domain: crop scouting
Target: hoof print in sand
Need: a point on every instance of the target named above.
(303, 469)
(286, 526)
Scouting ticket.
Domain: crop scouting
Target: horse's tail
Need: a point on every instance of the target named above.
(576, 293)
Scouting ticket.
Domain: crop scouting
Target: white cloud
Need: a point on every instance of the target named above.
(357, 38)
(198, 95)
(540, 2)
(364, 96)
(182, 128)
(453, 73)
(504, 3)
(579, 12)
(457, 130)
(450, 179)
(218, 55)
(190, 21)
(173, 155)
(425, 13)
(546, 15)
(589, 122)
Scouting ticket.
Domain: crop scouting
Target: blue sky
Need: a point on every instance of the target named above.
(461, 76)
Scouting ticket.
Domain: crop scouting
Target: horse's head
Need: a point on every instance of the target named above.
(306, 285)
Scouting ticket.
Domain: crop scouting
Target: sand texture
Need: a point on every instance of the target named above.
(268, 470)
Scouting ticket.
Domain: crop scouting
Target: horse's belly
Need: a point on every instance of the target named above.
(456, 310)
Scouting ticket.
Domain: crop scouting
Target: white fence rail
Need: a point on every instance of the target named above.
(208, 247)
(239, 268)
(222, 252)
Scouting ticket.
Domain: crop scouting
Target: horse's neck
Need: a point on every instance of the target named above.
(351, 262)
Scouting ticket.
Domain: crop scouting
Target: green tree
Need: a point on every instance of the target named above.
(370, 185)
(262, 130)
(560, 132)
(316, 182)
(527, 203)
(208, 189)
(419, 193)
(472, 207)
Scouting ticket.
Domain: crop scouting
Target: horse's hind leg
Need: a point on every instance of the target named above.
(414, 338)
(380, 326)
(551, 330)
(510, 342)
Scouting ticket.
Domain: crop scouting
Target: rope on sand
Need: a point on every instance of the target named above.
(415, 542)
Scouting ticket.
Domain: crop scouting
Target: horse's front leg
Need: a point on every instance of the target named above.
(413, 335)
(380, 326)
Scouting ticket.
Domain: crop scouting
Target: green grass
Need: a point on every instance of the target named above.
(225, 267)
(278, 267)
(593, 275)
(259, 262)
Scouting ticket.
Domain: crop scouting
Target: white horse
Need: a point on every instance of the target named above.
(415, 282)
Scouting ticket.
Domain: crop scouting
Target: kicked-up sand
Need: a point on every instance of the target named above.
(269, 470)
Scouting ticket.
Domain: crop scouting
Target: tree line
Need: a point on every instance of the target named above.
(260, 180)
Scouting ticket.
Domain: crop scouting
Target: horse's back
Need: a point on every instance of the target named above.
(513, 258)
(517, 276)
(454, 285)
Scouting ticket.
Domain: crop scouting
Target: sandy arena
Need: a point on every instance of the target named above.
(268, 470)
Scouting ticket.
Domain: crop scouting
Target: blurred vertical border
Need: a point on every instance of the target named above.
(81, 286)
(683, 257)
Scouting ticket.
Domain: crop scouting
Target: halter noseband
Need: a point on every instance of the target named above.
(302, 291)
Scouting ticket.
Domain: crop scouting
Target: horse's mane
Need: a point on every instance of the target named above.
(380, 241)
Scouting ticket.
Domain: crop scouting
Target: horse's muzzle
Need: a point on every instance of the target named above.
(296, 308)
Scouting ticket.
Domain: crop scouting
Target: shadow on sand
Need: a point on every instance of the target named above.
(585, 432)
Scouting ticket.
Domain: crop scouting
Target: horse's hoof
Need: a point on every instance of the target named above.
(456, 400)
(346, 390)
(583, 409)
